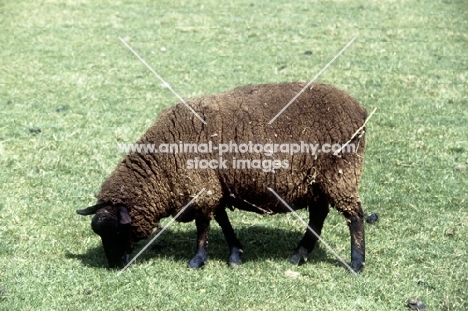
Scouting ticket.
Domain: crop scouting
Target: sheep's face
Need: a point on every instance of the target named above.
(113, 225)
(114, 228)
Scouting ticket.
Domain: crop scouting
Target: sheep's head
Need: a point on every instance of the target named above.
(113, 224)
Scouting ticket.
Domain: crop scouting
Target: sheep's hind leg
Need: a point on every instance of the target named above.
(356, 229)
(201, 255)
(318, 211)
(235, 248)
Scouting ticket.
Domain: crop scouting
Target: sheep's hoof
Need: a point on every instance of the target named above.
(234, 258)
(196, 262)
(297, 259)
(299, 256)
(357, 266)
(416, 305)
(372, 218)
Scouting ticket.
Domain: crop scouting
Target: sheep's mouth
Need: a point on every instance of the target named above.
(120, 262)
(117, 254)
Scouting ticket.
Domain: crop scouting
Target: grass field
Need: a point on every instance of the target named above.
(70, 91)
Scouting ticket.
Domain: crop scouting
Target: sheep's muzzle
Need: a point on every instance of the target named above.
(115, 237)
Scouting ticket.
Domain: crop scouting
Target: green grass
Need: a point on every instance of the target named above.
(64, 71)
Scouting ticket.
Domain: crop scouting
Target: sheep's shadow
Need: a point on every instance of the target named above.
(259, 244)
(94, 257)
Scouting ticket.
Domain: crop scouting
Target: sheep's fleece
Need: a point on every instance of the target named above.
(146, 187)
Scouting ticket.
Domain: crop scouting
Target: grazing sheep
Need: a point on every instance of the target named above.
(146, 187)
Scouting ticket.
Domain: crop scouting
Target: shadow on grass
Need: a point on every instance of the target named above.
(94, 257)
(259, 244)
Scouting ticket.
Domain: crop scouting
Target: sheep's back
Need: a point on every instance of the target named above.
(321, 114)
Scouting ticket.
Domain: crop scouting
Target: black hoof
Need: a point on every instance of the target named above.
(234, 259)
(372, 218)
(416, 305)
(197, 262)
(357, 266)
(300, 256)
(297, 259)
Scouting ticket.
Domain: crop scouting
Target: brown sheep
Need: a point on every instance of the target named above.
(148, 186)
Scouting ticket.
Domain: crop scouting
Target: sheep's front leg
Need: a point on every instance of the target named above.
(201, 255)
(358, 248)
(235, 248)
(318, 211)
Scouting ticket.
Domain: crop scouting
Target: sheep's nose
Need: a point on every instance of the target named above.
(120, 262)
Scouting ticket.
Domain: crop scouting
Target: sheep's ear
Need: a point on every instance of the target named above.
(90, 210)
(124, 218)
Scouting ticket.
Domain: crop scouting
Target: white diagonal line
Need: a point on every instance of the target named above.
(311, 230)
(162, 80)
(310, 82)
(162, 230)
(355, 133)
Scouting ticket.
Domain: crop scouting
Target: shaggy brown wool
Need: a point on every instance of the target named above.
(156, 185)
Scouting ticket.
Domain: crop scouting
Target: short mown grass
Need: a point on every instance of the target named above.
(70, 91)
